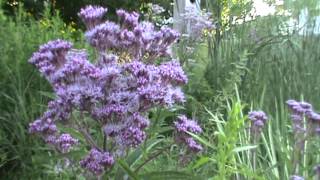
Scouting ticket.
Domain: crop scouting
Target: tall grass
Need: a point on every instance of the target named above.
(270, 64)
(265, 55)
(23, 91)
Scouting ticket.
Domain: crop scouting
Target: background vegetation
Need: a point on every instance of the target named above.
(250, 64)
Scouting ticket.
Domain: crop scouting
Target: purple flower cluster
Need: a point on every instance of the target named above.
(157, 9)
(50, 57)
(64, 142)
(138, 40)
(49, 132)
(301, 110)
(258, 120)
(197, 21)
(306, 123)
(97, 161)
(115, 94)
(184, 125)
(128, 20)
(92, 15)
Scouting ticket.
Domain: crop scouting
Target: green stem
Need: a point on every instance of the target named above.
(104, 142)
(151, 158)
(254, 155)
(86, 135)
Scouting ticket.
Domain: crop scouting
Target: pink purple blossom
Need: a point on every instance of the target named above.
(184, 125)
(65, 142)
(301, 110)
(97, 161)
(258, 121)
(197, 21)
(117, 95)
(92, 15)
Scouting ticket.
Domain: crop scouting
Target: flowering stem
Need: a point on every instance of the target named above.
(298, 152)
(99, 177)
(89, 139)
(86, 135)
(254, 154)
(255, 141)
(104, 142)
(300, 147)
(295, 159)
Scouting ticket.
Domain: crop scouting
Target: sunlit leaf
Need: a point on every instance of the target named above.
(244, 148)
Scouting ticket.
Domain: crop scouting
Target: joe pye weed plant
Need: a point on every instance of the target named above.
(103, 105)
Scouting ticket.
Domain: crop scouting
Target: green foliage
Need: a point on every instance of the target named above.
(262, 55)
(20, 92)
(270, 61)
(70, 8)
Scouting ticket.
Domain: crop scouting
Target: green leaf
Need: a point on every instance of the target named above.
(73, 132)
(47, 94)
(214, 117)
(137, 154)
(134, 156)
(164, 129)
(161, 175)
(127, 169)
(203, 141)
(244, 148)
(200, 162)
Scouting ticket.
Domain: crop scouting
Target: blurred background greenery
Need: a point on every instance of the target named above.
(69, 9)
(249, 61)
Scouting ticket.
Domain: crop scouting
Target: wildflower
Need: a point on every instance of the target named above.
(43, 126)
(104, 36)
(184, 125)
(50, 57)
(157, 9)
(65, 142)
(305, 124)
(118, 95)
(258, 120)
(197, 22)
(301, 110)
(128, 20)
(97, 161)
(172, 72)
(92, 15)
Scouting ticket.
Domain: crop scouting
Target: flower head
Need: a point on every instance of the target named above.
(65, 142)
(258, 118)
(50, 56)
(129, 20)
(104, 36)
(157, 9)
(92, 15)
(199, 21)
(97, 161)
(184, 125)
